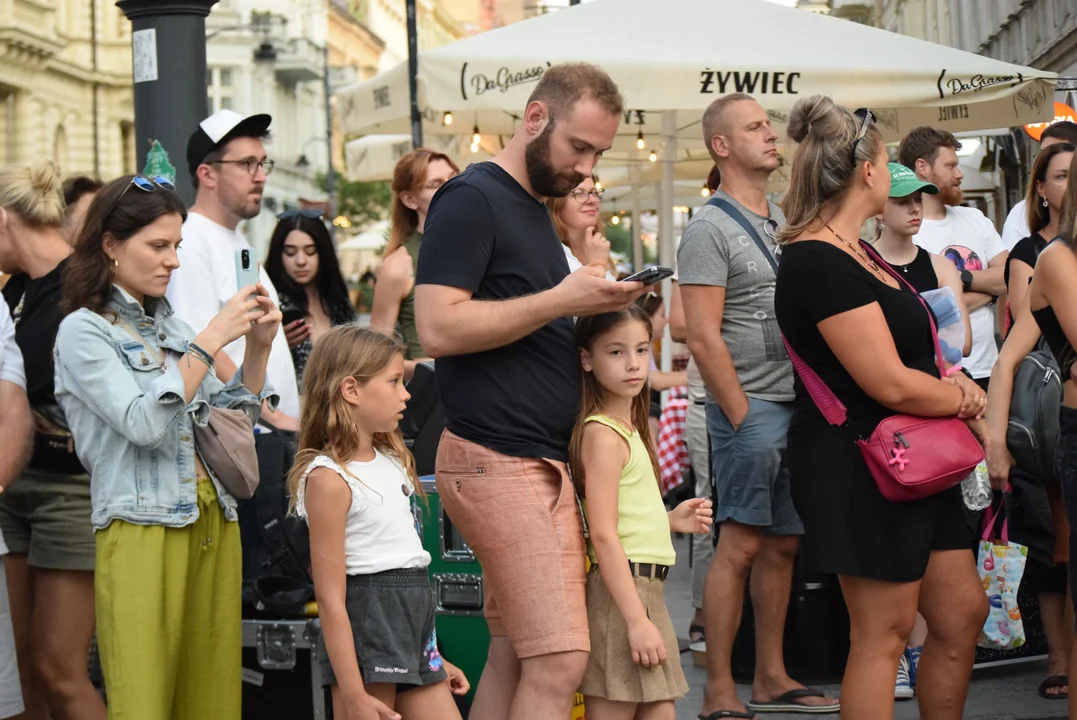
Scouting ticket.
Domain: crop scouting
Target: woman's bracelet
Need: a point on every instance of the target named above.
(199, 353)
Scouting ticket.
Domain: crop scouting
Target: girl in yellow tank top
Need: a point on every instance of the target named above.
(634, 656)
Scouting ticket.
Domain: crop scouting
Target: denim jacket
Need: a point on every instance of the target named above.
(131, 427)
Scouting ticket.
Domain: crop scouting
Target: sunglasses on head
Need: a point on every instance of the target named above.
(308, 214)
(144, 184)
(867, 119)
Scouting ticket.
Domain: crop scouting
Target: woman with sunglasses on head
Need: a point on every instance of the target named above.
(133, 381)
(302, 264)
(869, 338)
(45, 515)
(579, 225)
(416, 178)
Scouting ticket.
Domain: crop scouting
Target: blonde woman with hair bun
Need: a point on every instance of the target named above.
(869, 337)
(45, 514)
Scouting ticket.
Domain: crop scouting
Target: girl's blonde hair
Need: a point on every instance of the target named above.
(588, 330)
(326, 425)
(823, 166)
(33, 192)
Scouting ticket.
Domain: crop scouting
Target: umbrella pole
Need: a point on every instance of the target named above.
(666, 245)
(637, 212)
(413, 76)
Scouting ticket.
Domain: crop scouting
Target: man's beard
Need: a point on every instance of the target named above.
(544, 178)
(246, 208)
(950, 195)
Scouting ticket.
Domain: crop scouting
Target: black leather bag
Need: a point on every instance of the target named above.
(275, 544)
(1032, 435)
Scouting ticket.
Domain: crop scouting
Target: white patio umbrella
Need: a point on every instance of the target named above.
(682, 54)
(671, 60)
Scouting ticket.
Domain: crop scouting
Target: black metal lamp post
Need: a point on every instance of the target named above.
(168, 41)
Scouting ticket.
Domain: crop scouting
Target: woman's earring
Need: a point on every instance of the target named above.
(1045, 202)
(115, 266)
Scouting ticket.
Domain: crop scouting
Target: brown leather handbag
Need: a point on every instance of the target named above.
(226, 445)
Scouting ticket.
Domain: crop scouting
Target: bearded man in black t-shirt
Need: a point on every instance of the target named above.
(494, 305)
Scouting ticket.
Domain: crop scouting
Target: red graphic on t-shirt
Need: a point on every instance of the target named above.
(963, 258)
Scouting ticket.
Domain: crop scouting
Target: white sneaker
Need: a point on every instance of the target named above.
(903, 688)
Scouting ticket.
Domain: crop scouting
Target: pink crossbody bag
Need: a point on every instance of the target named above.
(910, 457)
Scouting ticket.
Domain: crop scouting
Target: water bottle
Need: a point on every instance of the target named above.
(976, 488)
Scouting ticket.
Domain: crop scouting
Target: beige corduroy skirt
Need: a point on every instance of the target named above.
(611, 673)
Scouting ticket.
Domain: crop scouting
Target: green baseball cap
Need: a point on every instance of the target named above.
(903, 182)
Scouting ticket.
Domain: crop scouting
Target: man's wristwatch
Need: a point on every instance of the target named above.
(966, 280)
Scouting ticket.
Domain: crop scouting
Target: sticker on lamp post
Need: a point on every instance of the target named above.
(157, 163)
(144, 54)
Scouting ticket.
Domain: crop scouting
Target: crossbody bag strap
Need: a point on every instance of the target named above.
(729, 209)
(824, 398)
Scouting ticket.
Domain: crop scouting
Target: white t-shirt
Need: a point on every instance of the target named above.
(967, 238)
(1016, 228)
(12, 369)
(11, 366)
(206, 280)
(380, 529)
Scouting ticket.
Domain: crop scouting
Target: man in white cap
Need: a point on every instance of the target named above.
(228, 165)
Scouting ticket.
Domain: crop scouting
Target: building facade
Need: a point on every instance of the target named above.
(354, 55)
(271, 56)
(65, 86)
(1037, 33)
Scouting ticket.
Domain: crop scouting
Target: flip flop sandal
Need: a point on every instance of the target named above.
(732, 714)
(1055, 681)
(787, 703)
(696, 633)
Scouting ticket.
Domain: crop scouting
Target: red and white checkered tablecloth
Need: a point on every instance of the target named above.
(672, 450)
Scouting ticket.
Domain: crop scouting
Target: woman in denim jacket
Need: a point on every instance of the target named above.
(133, 380)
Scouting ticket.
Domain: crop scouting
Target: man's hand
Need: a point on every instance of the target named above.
(739, 413)
(588, 292)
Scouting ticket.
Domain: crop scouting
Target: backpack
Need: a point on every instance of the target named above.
(1032, 435)
(276, 545)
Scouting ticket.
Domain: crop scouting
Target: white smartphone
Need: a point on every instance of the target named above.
(246, 268)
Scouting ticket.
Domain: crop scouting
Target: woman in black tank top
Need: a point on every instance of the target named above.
(1051, 311)
(898, 225)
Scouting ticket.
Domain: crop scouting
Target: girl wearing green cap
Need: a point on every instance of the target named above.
(898, 224)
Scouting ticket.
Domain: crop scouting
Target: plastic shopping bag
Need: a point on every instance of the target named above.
(1001, 565)
(950, 322)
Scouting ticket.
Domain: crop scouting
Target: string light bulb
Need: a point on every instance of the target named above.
(447, 119)
(705, 192)
(475, 136)
(640, 143)
(615, 220)
(598, 185)
(654, 156)
(475, 147)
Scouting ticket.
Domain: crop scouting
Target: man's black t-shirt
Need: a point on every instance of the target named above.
(487, 235)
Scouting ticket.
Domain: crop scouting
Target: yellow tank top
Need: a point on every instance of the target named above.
(642, 523)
